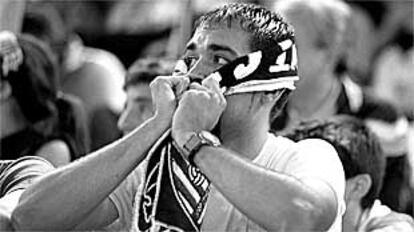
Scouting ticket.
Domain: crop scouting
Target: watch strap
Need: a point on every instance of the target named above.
(196, 141)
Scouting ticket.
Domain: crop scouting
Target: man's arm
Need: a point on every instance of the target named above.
(66, 197)
(272, 199)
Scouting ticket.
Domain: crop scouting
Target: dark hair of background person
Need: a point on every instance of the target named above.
(34, 84)
(35, 88)
(357, 147)
(147, 69)
(45, 23)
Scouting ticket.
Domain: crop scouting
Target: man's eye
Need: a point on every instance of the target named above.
(190, 61)
(220, 60)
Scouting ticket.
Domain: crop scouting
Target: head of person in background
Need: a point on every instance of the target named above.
(28, 100)
(43, 21)
(364, 165)
(320, 27)
(139, 107)
(93, 75)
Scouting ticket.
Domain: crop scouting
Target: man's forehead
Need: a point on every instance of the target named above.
(232, 38)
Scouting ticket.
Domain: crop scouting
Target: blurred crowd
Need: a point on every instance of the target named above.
(76, 74)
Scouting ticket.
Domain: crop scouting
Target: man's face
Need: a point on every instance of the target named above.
(138, 107)
(208, 50)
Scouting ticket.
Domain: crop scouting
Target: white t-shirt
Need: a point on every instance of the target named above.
(312, 158)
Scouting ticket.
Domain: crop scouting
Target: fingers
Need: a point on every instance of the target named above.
(209, 90)
(11, 53)
(197, 86)
(13, 60)
(178, 84)
(212, 83)
(181, 85)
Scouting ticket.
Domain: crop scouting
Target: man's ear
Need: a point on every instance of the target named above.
(269, 98)
(359, 185)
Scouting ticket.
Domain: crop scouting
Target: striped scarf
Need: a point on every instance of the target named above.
(175, 193)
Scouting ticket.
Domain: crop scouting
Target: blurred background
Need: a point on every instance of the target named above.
(114, 33)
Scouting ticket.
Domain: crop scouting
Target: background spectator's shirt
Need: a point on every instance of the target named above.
(381, 218)
(20, 173)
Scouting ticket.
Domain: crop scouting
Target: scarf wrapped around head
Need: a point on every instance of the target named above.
(260, 71)
(174, 193)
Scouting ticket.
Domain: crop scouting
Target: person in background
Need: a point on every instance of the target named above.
(364, 165)
(34, 119)
(326, 90)
(15, 176)
(94, 75)
(139, 106)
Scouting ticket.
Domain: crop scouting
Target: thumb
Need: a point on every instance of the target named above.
(212, 82)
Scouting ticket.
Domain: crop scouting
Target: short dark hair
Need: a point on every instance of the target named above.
(357, 147)
(266, 27)
(145, 70)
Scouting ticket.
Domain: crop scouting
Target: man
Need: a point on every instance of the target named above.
(139, 107)
(15, 176)
(324, 90)
(364, 165)
(259, 181)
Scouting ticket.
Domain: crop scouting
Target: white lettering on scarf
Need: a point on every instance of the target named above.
(242, 71)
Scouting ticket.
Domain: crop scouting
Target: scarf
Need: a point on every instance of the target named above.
(175, 192)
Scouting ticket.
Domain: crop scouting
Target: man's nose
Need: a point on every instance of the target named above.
(198, 71)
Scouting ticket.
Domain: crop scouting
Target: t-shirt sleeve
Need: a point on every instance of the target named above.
(317, 159)
(123, 198)
(20, 173)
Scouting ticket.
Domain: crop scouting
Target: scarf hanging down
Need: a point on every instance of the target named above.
(175, 192)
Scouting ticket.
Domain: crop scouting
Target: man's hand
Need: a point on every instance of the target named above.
(199, 109)
(10, 52)
(165, 91)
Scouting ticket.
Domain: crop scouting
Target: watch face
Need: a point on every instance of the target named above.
(210, 137)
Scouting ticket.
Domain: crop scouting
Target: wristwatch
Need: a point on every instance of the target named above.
(196, 141)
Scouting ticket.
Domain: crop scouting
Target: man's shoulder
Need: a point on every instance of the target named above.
(314, 144)
(280, 145)
(281, 140)
(284, 152)
(311, 144)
